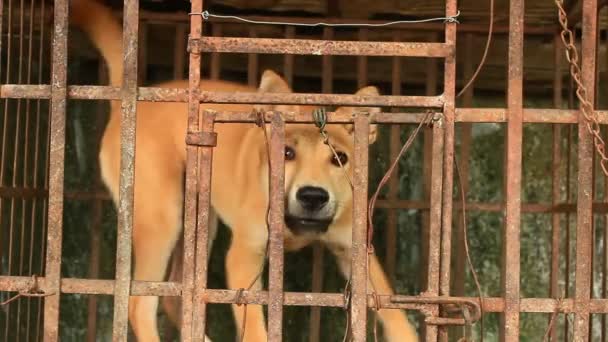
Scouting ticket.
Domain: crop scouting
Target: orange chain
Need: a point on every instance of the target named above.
(591, 117)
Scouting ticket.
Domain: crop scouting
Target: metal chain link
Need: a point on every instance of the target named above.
(591, 117)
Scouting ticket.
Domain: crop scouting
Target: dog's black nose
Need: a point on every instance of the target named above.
(312, 198)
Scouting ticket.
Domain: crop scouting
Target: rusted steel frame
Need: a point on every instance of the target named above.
(202, 232)
(191, 228)
(509, 328)
(393, 182)
(449, 112)
(127, 171)
(56, 169)
(584, 217)
(473, 115)
(144, 288)
(548, 208)
(545, 208)
(318, 250)
(179, 51)
(252, 61)
(556, 175)
(432, 186)
(276, 223)
(358, 307)
(319, 47)
(288, 60)
(180, 95)
(427, 154)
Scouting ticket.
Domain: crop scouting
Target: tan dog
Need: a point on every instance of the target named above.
(318, 197)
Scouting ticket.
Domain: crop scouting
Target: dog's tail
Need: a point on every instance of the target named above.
(105, 31)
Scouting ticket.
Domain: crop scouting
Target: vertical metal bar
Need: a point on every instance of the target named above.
(127, 170)
(56, 170)
(23, 154)
(253, 64)
(216, 64)
(584, 217)
(190, 206)
(459, 270)
(179, 53)
(26, 168)
(362, 60)
(556, 174)
(605, 260)
(4, 153)
(435, 221)
(288, 59)
(276, 253)
(393, 183)
(449, 93)
(431, 231)
(358, 315)
(511, 249)
(202, 233)
(431, 88)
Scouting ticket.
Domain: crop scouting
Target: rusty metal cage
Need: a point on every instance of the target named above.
(32, 185)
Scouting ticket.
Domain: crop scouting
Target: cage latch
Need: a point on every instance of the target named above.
(469, 309)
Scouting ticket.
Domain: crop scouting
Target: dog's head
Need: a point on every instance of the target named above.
(317, 190)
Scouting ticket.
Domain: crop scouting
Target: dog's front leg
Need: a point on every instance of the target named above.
(397, 327)
(244, 262)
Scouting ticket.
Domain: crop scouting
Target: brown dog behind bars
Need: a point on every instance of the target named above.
(318, 197)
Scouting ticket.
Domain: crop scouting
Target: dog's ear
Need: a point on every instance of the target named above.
(271, 82)
(373, 129)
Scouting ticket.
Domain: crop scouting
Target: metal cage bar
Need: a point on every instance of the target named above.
(513, 175)
(193, 311)
(127, 171)
(584, 216)
(56, 170)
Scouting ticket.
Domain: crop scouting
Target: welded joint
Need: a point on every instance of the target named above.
(194, 45)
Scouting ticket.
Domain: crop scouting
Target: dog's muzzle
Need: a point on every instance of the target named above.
(310, 216)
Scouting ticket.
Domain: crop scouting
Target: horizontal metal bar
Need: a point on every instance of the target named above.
(539, 208)
(319, 47)
(156, 94)
(144, 288)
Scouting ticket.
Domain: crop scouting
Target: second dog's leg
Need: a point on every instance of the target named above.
(244, 262)
(155, 232)
(397, 328)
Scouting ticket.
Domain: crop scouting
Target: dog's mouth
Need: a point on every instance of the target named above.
(299, 225)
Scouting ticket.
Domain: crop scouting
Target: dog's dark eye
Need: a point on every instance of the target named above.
(342, 158)
(290, 153)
